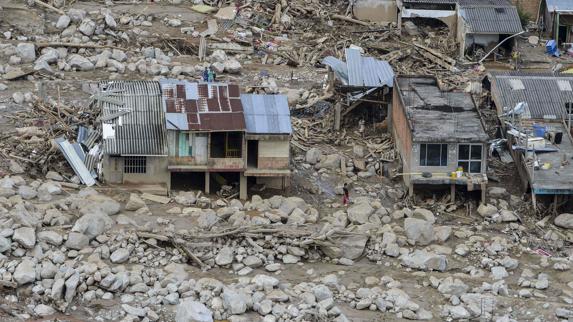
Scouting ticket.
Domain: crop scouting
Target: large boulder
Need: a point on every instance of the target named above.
(25, 272)
(25, 236)
(331, 162)
(419, 231)
(350, 247)
(291, 203)
(486, 210)
(26, 51)
(87, 27)
(423, 260)
(359, 213)
(77, 241)
(134, 202)
(233, 301)
(79, 62)
(564, 221)
(232, 66)
(192, 311)
(225, 256)
(313, 156)
(93, 224)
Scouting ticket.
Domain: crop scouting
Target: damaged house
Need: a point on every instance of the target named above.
(536, 113)
(430, 10)
(184, 135)
(439, 135)
(483, 24)
(363, 82)
(556, 19)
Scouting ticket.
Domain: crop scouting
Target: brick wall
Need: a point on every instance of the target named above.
(529, 6)
(400, 129)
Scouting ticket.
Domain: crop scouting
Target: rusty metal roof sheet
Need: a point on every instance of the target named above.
(266, 114)
(134, 123)
(202, 106)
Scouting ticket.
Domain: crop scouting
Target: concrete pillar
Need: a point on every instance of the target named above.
(242, 186)
(453, 192)
(207, 179)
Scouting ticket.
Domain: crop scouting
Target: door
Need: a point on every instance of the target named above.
(201, 148)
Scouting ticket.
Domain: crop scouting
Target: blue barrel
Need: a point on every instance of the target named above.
(539, 130)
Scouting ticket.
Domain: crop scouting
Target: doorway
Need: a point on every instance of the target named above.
(252, 153)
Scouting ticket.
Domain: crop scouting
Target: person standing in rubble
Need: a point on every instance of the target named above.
(205, 75)
(210, 76)
(515, 55)
(345, 195)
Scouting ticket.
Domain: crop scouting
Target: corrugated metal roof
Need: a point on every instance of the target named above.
(361, 71)
(70, 153)
(141, 131)
(431, 1)
(541, 92)
(266, 114)
(202, 106)
(485, 3)
(491, 19)
(559, 5)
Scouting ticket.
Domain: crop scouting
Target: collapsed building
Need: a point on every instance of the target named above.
(536, 114)
(556, 19)
(186, 135)
(439, 135)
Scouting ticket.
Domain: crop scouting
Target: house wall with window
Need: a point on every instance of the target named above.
(447, 157)
(136, 169)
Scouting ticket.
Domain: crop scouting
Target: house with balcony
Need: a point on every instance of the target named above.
(439, 135)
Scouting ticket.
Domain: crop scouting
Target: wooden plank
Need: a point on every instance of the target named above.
(156, 198)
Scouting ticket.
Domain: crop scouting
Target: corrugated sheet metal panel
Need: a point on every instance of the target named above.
(339, 68)
(75, 162)
(142, 130)
(354, 64)
(266, 114)
(483, 3)
(490, 19)
(431, 1)
(559, 5)
(541, 93)
(204, 106)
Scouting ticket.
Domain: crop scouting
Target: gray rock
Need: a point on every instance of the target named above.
(486, 210)
(77, 241)
(119, 55)
(423, 260)
(26, 51)
(110, 21)
(452, 286)
(297, 217)
(44, 310)
(359, 213)
(218, 56)
(132, 310)
(225, 256)
(77, 15)
(313, 156)
(25, 272)
(331, 162)
(120, 255)
(71, 285)
(63, 22)
(563, 313)
(424, 214)
(192, 311)
(233, 301)
(232, 66)
(186, 198)
(442, 233)
(171, 299)
(134, 202)
(47, 189)
(50, 237)
(27, 192)
(4, 244)
(25, 236)
(252, 261)
(87, 27)
(419, 231)
(564, 221)
(58, 289)
(80, 62)
(497, 192)
(350, 247)
(498, 272)
(93, 224)
(54, 176)
(321, 292)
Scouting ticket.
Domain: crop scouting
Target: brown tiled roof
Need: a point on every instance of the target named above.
(202, 106)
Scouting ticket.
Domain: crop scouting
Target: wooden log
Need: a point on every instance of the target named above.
(349, 19)
(47, 6)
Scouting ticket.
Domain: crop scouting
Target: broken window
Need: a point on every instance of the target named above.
(434, 155)
(469, 157)
(134, 164)
(226, 144)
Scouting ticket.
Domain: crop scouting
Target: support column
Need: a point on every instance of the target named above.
(207, 179)
(483, 193)
(453, 192)
(337, 111)
(242, 186)
(411, 190)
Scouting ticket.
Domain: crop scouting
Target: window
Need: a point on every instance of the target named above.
(134, 164)
(185, 144)
(469, 157)
(226, 144)
(434, 155)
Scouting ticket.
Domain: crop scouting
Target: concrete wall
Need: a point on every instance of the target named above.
(401, 132)
(156, 171)
(274, 182)
(273, 154)
(376, 10)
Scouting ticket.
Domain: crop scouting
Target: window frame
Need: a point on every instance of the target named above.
(470, 160)
(424, 147)
(135, 164)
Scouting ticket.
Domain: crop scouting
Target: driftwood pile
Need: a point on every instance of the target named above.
(31, 143)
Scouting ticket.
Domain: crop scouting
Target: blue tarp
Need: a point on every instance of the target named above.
(551, 47)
